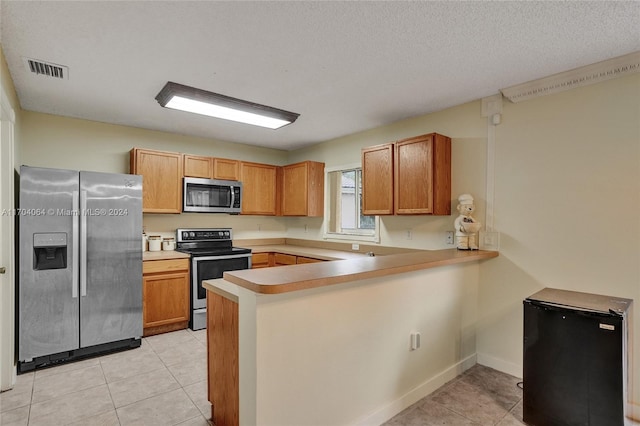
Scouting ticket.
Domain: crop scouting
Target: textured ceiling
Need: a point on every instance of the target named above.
(344, 66)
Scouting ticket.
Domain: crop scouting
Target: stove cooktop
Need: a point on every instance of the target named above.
(209, 251)
(200, 242)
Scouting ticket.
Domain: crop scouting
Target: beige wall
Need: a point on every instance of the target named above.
(468, 131)
(9, 90)
(62, 142)
(567, 203)
(567, 194)
(567, 197)
(347, 358)
(10, 152)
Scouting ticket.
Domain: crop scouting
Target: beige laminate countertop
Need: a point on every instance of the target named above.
(163, 255)
(306, 276)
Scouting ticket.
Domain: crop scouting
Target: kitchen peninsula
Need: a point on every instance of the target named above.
(329, 343)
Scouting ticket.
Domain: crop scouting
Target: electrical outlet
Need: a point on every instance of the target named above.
(409, 234)
(449, 238)
(355, 246)
(305, 228)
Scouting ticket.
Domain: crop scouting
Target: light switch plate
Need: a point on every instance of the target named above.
(489, 240)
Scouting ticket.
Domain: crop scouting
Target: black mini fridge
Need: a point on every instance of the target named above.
(575, 359)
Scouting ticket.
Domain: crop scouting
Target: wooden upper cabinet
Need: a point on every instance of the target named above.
(198, 167)
(410, 176)
(259, 183)
(211, 167)
(161, 179)
(422, 175)
(224, 168)
(303, 189)
(377, 180)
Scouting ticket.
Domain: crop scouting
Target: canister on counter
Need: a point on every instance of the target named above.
(155, 243)
(169, 243)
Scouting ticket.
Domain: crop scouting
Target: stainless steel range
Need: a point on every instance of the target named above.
(212, 253)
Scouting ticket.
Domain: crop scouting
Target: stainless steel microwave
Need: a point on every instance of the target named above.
(211, 196)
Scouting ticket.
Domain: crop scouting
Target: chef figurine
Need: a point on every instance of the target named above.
(465, 225)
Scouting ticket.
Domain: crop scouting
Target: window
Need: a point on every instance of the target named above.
(345, 218)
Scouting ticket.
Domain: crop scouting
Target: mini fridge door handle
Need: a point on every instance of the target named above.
(75, 204)
(83, 244)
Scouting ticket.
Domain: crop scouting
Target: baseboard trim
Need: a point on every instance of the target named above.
(416, 394)
(633, 411)
(500, 365)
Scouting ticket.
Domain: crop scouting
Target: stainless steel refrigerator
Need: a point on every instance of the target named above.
(79, 290)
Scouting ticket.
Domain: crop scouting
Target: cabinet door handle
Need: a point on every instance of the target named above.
(3, 269)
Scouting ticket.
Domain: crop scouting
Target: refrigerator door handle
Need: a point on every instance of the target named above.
(83, 243)
(75, 204)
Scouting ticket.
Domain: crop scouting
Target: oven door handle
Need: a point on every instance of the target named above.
(231, 256)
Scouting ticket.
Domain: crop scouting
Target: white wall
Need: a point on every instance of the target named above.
(567, 206)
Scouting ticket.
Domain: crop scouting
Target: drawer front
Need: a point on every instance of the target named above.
(260, 260)
(171, 265)
(285, 259)
(302, 259)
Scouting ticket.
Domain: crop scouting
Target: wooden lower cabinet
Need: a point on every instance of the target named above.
(261, 260)
(302, 259)
(165, 296)
(281, 259)
(268, 259)
(222, 360)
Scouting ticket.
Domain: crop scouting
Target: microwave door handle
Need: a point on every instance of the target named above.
(233, 196)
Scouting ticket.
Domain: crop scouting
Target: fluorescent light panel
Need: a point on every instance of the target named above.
(191, 99)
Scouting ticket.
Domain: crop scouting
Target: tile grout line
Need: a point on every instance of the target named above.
(109, 390)
(33, 385)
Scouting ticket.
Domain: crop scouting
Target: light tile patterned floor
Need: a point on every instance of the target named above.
(164, 382)
(480, 396)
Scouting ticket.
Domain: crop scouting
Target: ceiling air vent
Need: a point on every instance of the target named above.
(595, 73)
(47, 68)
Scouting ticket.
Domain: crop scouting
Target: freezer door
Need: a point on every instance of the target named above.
(573, 367)
(111, 250)
(47, 289)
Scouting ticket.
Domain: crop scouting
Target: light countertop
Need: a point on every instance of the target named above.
(163, 255)
(306, 276)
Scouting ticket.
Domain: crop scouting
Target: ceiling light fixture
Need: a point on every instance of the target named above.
(190, 99)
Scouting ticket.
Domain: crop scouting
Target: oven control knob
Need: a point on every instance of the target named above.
(192, 234)
(185, 235)
(221, 233)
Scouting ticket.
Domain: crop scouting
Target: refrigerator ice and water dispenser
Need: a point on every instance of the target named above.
(49, 251)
